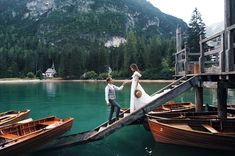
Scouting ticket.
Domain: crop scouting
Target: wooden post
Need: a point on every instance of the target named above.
(228, 56)
(186, 66)
(198, 89)
(178, 48)
(222, 100)
(178, 39)
(176, 65)
(222, 54)
(229, 13)
(201, 58)
(229, 20)
(199, 98)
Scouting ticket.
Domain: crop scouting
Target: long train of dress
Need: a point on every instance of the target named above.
(137, 103)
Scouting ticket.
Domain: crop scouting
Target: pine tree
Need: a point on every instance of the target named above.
(130, 50)
(196, 28)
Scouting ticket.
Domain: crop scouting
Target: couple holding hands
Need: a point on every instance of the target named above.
(138, 97)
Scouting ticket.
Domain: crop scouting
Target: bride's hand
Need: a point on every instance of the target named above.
(124, 82)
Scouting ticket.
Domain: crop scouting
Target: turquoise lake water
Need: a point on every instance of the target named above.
(85, 103)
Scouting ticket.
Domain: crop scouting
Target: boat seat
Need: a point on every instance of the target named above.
(182, 126)
(48, 123)
(209, 128)
(9, 136)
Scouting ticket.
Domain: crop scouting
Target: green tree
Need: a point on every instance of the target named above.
(130, 50)
(196, 28)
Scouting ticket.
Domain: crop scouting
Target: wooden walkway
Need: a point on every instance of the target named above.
(167, 93)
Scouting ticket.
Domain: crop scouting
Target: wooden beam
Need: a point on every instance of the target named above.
(213, 52)
(230, 85)
(198, 98)
(178, 39)
(222, 100)
(213, 36)
(222, 55)
(229, 17)
(186, 66)
(201, 58)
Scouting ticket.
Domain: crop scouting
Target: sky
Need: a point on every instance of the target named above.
(212, 11)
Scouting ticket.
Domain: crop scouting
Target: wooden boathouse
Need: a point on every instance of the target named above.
(214, 64)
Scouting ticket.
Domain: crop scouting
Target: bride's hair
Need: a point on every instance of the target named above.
(135, 67)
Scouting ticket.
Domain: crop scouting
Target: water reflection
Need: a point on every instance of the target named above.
(231, 96)
(50, 88)
(213, 95)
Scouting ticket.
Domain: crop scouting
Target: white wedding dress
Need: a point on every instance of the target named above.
(136, 103)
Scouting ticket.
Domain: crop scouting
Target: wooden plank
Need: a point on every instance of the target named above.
(213, 52)
(48, 122)
(193, 62)
(194, 54)
(211, 62)
(181, 61)
(212, 37)
(182, 126)
(9, 136)
(231, 27)
(180, 52)
(209, 128)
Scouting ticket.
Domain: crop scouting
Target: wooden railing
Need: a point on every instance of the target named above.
(180, 62)
(212, 54)
(184, 63)
(216, 55)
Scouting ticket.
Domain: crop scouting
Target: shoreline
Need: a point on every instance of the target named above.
(17, 80)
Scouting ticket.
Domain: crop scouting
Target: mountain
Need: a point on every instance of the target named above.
(60, 21)
(83, 35)
(214, 28)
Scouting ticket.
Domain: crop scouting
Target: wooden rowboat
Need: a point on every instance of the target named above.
(13, 116)
(19, 137)
(203, 130)
(169, 107)
(173, 107)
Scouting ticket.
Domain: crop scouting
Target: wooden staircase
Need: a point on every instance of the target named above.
(162, 96)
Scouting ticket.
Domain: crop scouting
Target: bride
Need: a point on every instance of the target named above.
(136, 101)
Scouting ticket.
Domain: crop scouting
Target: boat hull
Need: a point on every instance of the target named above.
(25, 145)
(19, 116)
(165, 133)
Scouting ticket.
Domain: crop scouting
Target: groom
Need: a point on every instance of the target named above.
(110, 97)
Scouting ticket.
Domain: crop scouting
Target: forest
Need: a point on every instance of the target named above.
(75, 45)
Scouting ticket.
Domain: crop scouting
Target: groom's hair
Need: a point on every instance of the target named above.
(108, 79)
